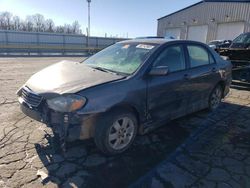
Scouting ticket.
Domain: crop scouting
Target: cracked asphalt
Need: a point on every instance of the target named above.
(204, 149)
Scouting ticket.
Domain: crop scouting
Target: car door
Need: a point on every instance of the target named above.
(166, 98)
(203, 75)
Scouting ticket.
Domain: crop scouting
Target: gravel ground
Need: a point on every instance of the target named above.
(201, 150)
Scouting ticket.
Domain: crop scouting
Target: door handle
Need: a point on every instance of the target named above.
(187, 77)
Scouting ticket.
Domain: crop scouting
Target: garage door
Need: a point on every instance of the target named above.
(198, 33)
(229, 30)
(173, 32)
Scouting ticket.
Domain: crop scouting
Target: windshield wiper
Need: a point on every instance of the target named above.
(108, 70)
(100, 69)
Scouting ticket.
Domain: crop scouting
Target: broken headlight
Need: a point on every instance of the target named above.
(67, 103)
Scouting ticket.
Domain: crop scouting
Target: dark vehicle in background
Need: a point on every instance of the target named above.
(225, 44)
(239, 54)
(217, 44)
(126, 89)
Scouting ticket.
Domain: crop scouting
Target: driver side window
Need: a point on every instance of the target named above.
(173, 57)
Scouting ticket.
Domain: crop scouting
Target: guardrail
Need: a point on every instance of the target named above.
(32, 43)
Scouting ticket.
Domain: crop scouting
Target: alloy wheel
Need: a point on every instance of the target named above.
(216, 98)
(121, 133)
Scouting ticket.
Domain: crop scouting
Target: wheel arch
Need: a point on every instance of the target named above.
(128, 107)
(222, 83)
(121, 106)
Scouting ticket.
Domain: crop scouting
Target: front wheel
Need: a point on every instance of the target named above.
(115, 132)
(215, 97)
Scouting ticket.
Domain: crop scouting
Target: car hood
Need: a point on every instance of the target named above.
(68, 77)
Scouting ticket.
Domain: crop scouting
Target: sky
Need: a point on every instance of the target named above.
(122, 18)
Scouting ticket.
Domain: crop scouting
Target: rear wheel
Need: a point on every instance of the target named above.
(115, 132)
(215, 97)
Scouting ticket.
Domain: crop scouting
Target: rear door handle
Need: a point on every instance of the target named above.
(187, 77)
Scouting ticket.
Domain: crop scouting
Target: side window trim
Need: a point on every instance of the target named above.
(211, 56)
(188, 65)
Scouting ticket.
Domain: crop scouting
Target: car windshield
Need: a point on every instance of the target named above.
(124, 58)
(243, 38)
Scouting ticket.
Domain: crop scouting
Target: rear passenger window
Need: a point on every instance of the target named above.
(198, 56)
(173, 57)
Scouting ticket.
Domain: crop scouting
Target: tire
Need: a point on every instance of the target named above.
(115, 131)
(215, 97)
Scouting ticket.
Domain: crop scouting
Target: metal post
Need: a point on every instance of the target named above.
(7, 42)
(38, 43)
(63, 51)
(89, 1)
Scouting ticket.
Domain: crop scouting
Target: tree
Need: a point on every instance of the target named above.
(67, 28)
(29, 26)
(49, 24)
(6, 20)
(23, 26)
(59, 29)
(38, 21)
(75, 27)
(16, 23)
(1, 21)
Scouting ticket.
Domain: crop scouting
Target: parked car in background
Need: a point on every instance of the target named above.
(225, 44)
(239, 54)
(216, 44)
(126, 89)
(213, 44)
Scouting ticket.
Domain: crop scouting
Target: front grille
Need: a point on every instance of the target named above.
(31, 98)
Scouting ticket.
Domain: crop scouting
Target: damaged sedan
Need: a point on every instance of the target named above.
(126, 89)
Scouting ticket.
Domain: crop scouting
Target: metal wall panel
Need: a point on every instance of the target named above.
(51, 38)
(75, 39)
(32, 42)
(206, 13)
(105, 42)
(3, 37)
(13, 37)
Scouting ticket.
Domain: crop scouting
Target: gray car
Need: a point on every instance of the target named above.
(126, 89)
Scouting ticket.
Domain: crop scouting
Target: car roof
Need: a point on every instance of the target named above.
(149, 40)
(159, 41)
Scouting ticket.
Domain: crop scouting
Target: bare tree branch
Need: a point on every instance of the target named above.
(36, 23)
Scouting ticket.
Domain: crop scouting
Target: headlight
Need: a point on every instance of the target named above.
(67, 103)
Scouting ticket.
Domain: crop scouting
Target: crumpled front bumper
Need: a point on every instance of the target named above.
(69, 126)
(35, 113)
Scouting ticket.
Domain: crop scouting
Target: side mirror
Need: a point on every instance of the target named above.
(159, 71)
